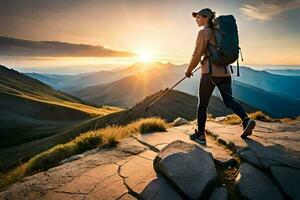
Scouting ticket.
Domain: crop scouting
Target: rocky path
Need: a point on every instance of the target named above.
(265, 166)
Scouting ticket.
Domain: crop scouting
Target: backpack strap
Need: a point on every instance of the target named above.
(237, 62)
(231, 68)
(238, 67)
(209, 65)
(209, 58)
(241, 54)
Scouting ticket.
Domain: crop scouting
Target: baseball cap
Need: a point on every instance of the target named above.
(205, 12)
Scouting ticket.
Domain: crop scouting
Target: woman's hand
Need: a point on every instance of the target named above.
(188, 73)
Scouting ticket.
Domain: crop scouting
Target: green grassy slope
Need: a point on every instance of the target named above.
(34, 117)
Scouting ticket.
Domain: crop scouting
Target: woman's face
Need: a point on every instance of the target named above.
(201, 21)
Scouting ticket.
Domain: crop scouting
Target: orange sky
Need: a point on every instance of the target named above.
(163, 29)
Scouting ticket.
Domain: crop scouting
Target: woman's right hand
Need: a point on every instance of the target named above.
(188, 73)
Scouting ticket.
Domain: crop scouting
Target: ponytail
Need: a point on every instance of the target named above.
(211, 20)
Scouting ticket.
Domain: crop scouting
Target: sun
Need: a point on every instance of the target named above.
(145, 57)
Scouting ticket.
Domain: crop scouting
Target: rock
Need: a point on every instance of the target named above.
(275, 148)
(225, 161)
(135, 178)
(220, 193)
(288, 180)
(188, 167)
(159, 189)
(127, 197)
(221, 155)
(251, 183)
(219, 119)
(72, 158)
(250, 157)
(180, 121)
(273, 155)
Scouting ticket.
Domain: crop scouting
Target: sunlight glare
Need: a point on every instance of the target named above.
(145, 57)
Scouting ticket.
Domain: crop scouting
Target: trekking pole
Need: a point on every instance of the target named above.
(167, 90)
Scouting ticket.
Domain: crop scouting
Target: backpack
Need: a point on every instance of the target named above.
(226, 50)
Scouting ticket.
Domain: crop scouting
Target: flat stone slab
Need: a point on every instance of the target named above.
(188, 167)
(221, 155)
(272, 148)
(79, 179)
(159, 140)
(253, 184)
(138, 171)
(159, 189)
(288, 180)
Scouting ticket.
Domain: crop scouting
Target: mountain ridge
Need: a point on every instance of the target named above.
(20, 47)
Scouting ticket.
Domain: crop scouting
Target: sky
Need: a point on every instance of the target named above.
(160, 30)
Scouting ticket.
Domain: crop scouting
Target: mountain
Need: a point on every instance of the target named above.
(175, 104)
(76, 82)
(19, 47)
(259, 89)
(284, 82)
(273, 83)
(276, 105)
(132, 89)
(32, 112)
(52, 80)
(285, 72)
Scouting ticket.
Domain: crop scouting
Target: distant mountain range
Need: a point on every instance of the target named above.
(131, 89)
(284, 72)
(130, 85)
(77, 82)
(275, 104)
(287, 85)
(19, 47)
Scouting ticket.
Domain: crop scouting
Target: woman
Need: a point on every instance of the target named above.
(221, 77)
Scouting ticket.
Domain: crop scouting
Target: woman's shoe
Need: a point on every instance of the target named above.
(248, 126)
(198, 137)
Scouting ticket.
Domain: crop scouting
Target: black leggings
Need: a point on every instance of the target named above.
(206, 88)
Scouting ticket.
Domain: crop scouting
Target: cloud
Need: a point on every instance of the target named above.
(263, 10)
(19, 47)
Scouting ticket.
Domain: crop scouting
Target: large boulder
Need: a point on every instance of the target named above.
(288, 180)
(159, 189)
(252, 184)
(188, 167)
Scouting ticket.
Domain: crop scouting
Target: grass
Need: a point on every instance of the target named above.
(94, 111)
(108, 136)
(258, 115)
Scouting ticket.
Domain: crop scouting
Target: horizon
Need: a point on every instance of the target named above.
(77, 69)
(147, 36)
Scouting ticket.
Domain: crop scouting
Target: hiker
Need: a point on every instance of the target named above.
(219, 77)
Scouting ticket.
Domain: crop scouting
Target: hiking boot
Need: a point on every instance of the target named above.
(198, 137)
(248, 126)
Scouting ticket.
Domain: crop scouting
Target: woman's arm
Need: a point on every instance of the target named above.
(199, 50)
